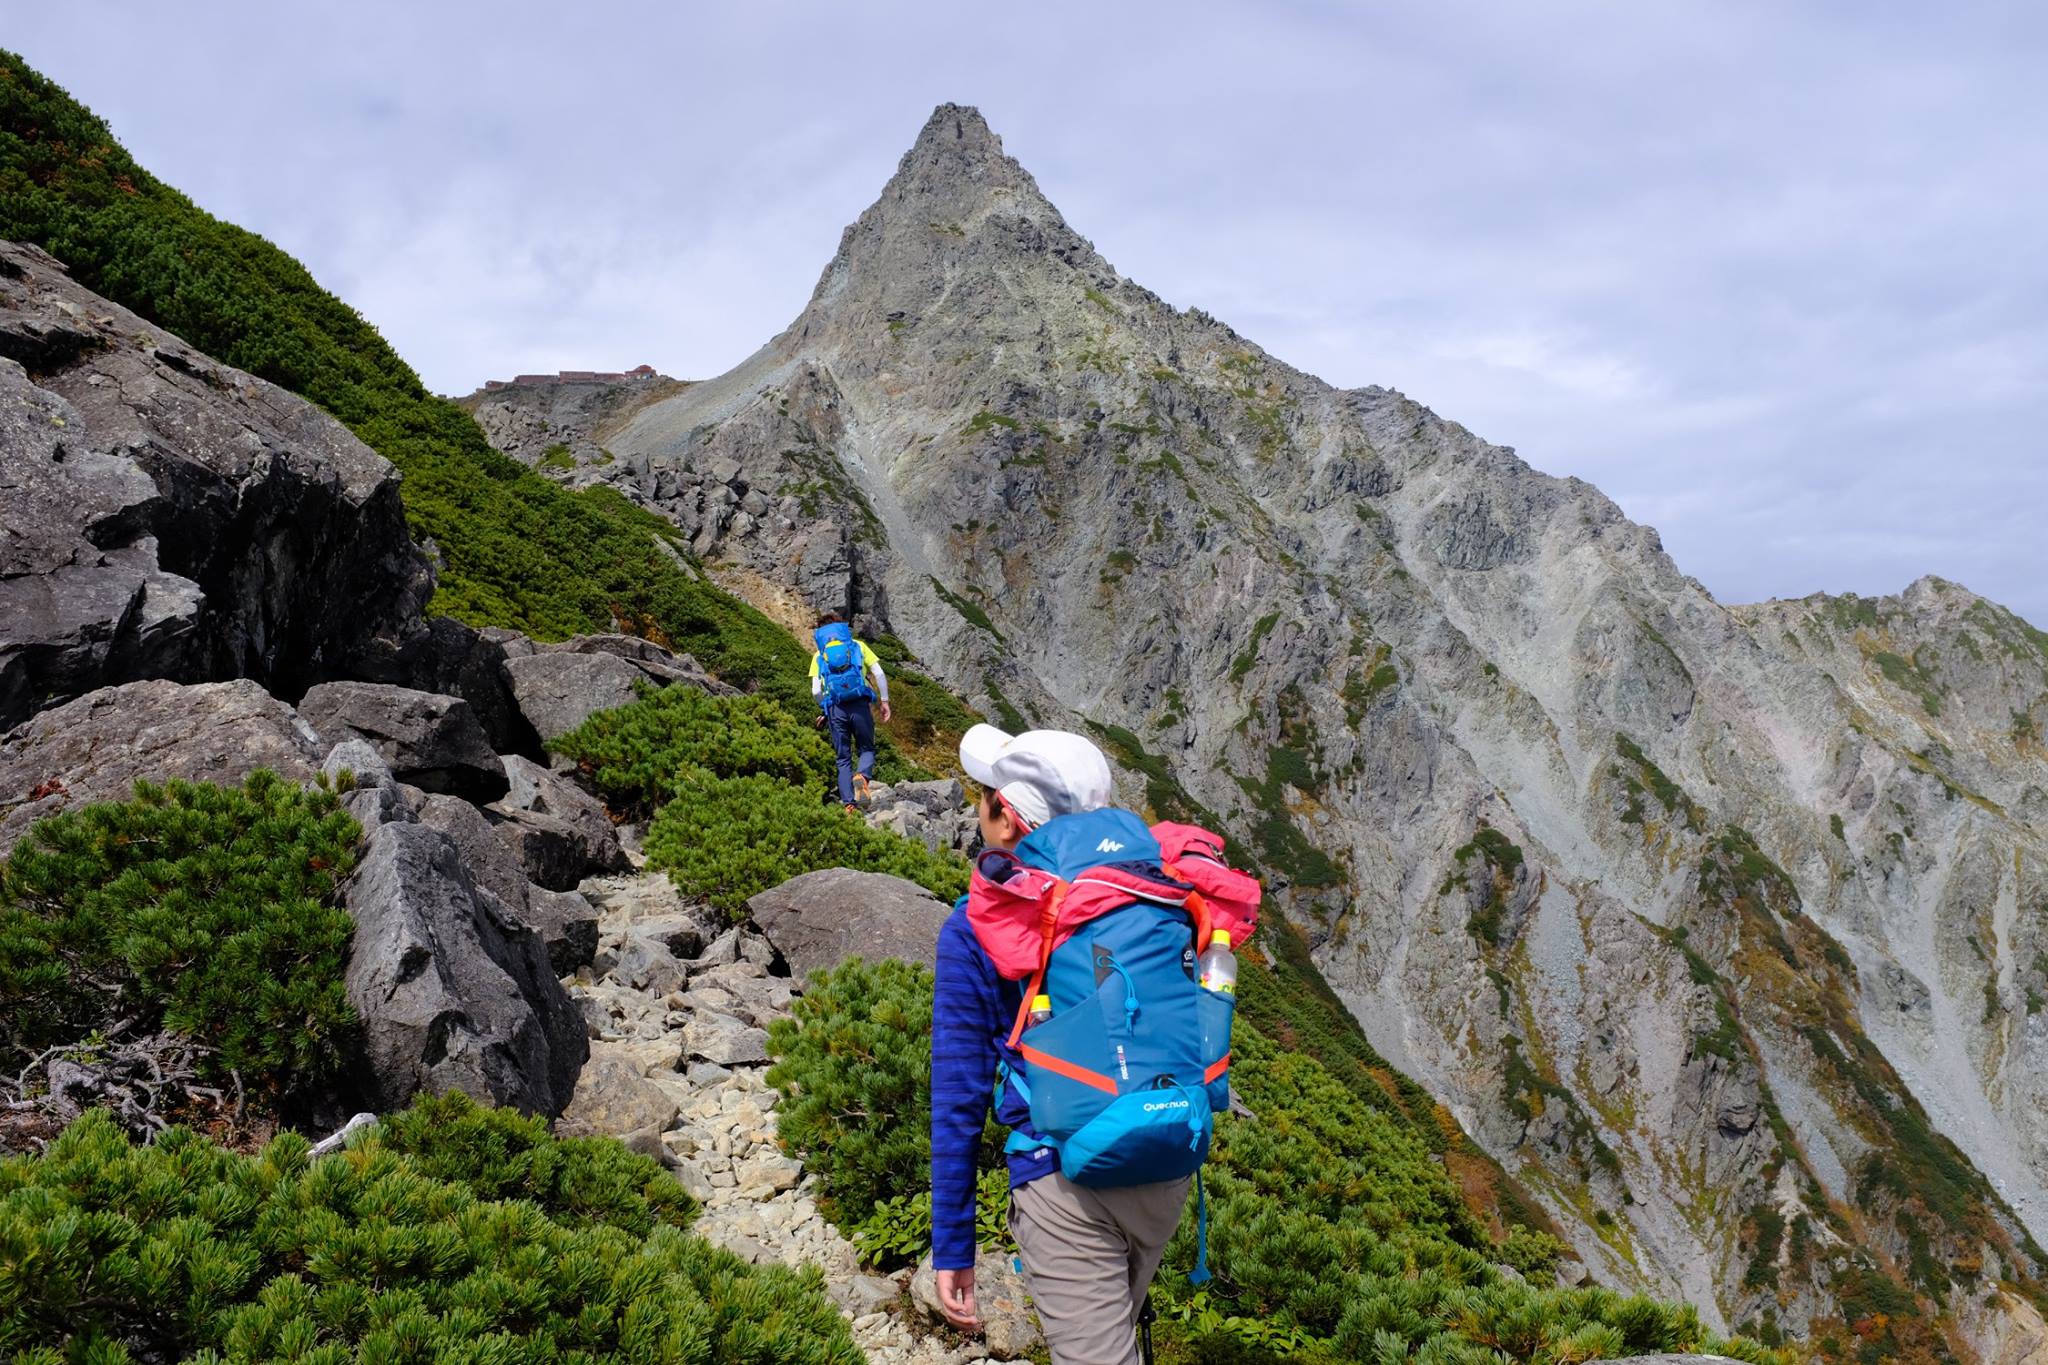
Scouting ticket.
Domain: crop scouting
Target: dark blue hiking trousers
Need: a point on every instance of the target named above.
(850, 723)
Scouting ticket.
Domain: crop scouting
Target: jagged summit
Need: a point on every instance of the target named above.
(956, 205)
(959, 162)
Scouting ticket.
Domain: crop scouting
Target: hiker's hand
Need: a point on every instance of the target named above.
(956, 1298)
(885, 713)
(818, 721)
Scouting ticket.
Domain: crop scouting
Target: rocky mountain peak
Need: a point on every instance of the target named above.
(957, 206)
(958, 162)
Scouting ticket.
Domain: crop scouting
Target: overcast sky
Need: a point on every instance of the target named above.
(1774, 276)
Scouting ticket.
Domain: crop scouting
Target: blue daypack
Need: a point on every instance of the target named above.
(839, 666)
(1125, 1078)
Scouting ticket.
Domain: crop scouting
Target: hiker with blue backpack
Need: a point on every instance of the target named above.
(1085, 987)
(842, 670)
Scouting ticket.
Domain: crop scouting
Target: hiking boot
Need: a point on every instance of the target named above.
(852, 809)
(860, 788)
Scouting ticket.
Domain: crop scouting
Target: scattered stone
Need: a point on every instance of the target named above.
(645, 963)
(728, 1042)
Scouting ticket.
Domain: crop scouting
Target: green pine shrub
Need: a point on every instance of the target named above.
(636, 755)
(1333, 1233)
(853, 1063)
(399, 1249)
(723, 839)
(210, 912)
(504, 1154)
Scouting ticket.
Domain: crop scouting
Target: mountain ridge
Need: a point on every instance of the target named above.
(1392, 651)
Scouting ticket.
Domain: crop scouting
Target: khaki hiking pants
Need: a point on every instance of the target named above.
(1089, 1256)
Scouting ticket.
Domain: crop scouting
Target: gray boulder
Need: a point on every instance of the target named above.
(535, 788)
(430, 740)
(566, 923)
(551, 851)
(374, 796)
(557, 692)
(645, 962)
(165, 516)
(97, 747)
(818, 920)
(453, 992)
(490, 862)
(1007, 1324)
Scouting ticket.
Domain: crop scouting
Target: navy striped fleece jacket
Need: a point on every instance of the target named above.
(973, 1010)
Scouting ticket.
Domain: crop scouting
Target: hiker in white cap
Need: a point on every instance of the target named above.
(1088, 1251)
(1032, 777)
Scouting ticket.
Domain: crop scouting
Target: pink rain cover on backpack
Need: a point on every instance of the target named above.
(1007, 911)
(1195, 856)
(1007, 916)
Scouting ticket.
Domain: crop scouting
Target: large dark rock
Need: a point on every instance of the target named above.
(550, 850)
(449, 657)
(431, 741)
(491, 862)
(545, 792)
(453, 992)
(820, 919)
(162, 515)
(559, 686)
(97, 747)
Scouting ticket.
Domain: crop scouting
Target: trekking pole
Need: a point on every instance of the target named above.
(1146, 1317)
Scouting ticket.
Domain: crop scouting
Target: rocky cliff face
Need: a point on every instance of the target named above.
(1722, 927)
(166, 516)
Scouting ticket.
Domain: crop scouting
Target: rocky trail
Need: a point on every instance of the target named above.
(678, 1006)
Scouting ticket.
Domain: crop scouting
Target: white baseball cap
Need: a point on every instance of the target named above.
(1041, 773)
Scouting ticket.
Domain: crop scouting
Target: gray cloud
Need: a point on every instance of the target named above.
(1770, 275)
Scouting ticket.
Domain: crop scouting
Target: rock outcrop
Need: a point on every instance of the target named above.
(166, 516)
(454, 993)
(430, 741)
(98, 747)
(820, 919)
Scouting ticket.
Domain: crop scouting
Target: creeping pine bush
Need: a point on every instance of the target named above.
(853, 1062)
(205, 911)
(727, 838)
(735, 784)
(1333, 1234)
(637, 754)
(420, 1243)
